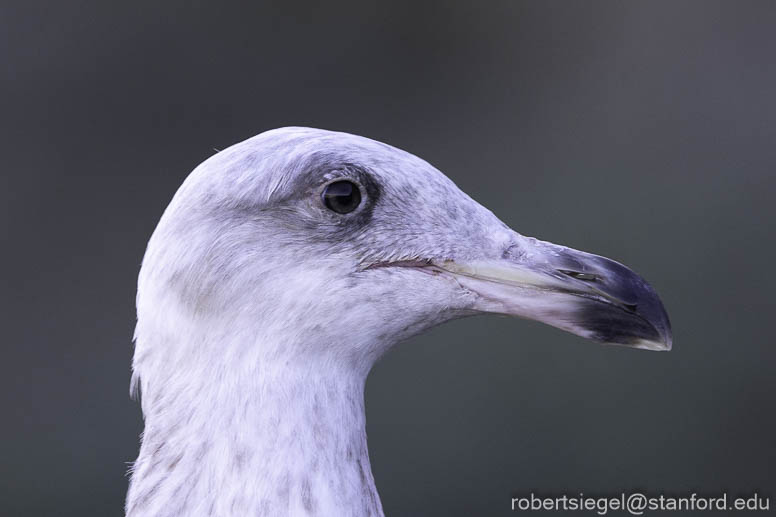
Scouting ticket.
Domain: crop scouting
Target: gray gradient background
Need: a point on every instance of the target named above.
(641, 131)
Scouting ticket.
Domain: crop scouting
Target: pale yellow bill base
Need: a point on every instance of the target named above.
(607, 302)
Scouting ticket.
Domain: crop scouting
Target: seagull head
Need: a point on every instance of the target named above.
(329, 245)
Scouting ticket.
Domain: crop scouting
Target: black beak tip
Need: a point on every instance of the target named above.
(655, 313)
(650, 308)
(615, 325)
(639, 321)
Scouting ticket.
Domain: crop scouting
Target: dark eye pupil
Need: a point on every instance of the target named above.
(342, 196)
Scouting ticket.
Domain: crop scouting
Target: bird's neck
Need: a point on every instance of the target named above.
(286, 438)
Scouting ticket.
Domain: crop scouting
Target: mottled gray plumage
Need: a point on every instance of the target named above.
(261, 312)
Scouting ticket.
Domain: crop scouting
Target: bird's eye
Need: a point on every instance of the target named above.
(341, 196)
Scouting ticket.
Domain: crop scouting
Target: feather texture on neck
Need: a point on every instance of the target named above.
(278, 437)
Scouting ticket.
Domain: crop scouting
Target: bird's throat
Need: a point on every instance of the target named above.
(286, 439)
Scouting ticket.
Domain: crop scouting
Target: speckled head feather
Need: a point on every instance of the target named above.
(261, 312)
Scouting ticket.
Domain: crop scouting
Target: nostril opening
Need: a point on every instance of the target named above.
(591, 278)
(586, 277)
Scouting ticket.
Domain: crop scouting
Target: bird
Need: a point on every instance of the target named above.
(283, 268)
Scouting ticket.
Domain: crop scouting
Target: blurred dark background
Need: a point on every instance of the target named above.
(645, 132)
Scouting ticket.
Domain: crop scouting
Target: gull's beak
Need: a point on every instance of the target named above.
(585, 294)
